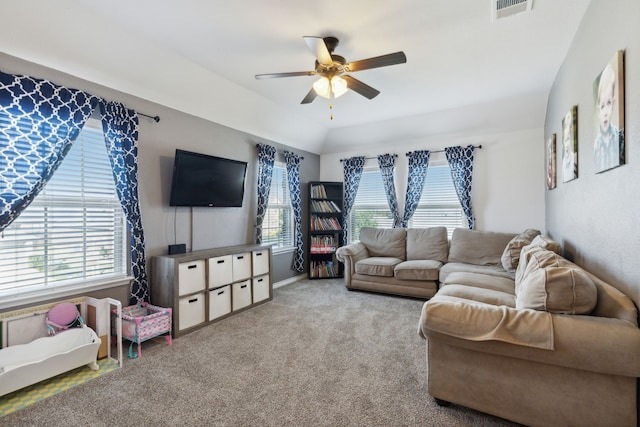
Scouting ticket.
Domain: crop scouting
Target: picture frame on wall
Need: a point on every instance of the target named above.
(551, 162)
(570, 145)
(608, 115)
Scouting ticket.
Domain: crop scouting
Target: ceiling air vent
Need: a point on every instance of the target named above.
(505, 8)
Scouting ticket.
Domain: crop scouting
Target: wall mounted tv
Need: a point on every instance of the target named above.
(203, 180)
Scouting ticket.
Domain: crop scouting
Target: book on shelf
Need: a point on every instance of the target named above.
(322, 245)
(318, 191)
(318, 223)
(324, 206)
(322, 269)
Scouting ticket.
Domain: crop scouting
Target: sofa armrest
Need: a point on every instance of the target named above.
(349, 255)
(591, 343)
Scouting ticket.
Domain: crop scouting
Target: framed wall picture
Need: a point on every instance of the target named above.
(551, 162)
(608, 115)
(570, 145)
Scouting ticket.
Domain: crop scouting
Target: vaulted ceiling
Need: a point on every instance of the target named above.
(464, 71)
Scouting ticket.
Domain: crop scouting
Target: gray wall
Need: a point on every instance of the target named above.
(199, 228)
(596, 216)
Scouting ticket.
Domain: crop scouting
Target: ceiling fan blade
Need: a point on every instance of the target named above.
(319, 49)
(378, 61)
(310, 97)
(362, 88)
(277, 75)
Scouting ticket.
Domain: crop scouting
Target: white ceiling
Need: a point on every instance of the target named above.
(464, 73)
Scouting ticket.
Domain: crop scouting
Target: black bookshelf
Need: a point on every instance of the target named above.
(325, 229)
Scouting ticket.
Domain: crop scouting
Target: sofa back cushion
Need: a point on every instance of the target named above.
(538, 244)
(428, 244)
(385, 242)
(554, 284)
(511, 254)
(478, 247)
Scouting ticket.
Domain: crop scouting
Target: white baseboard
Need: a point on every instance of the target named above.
(289, 281)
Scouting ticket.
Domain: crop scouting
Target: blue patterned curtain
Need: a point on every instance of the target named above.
(386, 162)
(38, 123)
(266, 156)
(418, 163)
(293, 177)
(120, 127)
(352, 173)
(461, 163)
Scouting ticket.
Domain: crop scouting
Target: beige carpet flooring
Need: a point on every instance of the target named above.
(317, 355)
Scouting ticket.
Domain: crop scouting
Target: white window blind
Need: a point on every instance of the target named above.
(278, 226)
(74, 229)
(370, 208)
(439, 204)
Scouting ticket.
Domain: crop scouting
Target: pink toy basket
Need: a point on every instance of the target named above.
(142, 322)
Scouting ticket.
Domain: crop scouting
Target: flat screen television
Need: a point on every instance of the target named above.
(203, 180)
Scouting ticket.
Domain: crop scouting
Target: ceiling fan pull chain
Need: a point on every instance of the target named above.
(330, 110)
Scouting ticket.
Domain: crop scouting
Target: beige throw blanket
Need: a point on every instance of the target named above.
(478, 321)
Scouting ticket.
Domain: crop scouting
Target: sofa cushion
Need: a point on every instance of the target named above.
(480, 280)
(511, 254)
(540, 243)
(547, 243)
(428, 243)
(385, 242)
(473, 293)
(377, 266)
(556, 285)
(418, 270)
(491, 270)
(478, 247)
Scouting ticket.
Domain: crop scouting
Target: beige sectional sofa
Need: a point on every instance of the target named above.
(517, 331)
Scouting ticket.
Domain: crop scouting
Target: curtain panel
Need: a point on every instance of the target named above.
(352, 173)
(266, 158)
(293, 177)
(38, 123)
(120, 127)
(461, 163)
(386, 163)
(417, 174)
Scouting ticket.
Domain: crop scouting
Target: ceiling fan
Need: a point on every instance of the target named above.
(332, 70)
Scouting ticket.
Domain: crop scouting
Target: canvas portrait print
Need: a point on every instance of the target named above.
(551, 162)
(608, 108)
(570, 145)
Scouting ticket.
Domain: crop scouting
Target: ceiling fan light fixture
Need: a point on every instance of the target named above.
(325, 88)
(338, 86)
(322, 88)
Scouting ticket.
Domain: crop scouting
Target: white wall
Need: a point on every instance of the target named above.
(508, 186)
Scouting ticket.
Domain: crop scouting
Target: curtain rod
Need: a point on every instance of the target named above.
(442, 151)
(370, 158)
(278, 151)
(155, 118)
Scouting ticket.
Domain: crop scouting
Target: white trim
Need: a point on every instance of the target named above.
(278, 251)
(44, 294)
(289, 281)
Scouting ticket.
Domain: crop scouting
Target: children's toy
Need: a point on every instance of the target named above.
(142, 322)
(62, 317)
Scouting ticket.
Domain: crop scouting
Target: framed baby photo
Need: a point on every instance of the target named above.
(551, 162)
(608, 115)
(570, 145)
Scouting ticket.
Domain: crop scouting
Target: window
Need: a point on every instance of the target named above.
(73, 230)
(439, 204)
(277, 226)
(370, 207)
